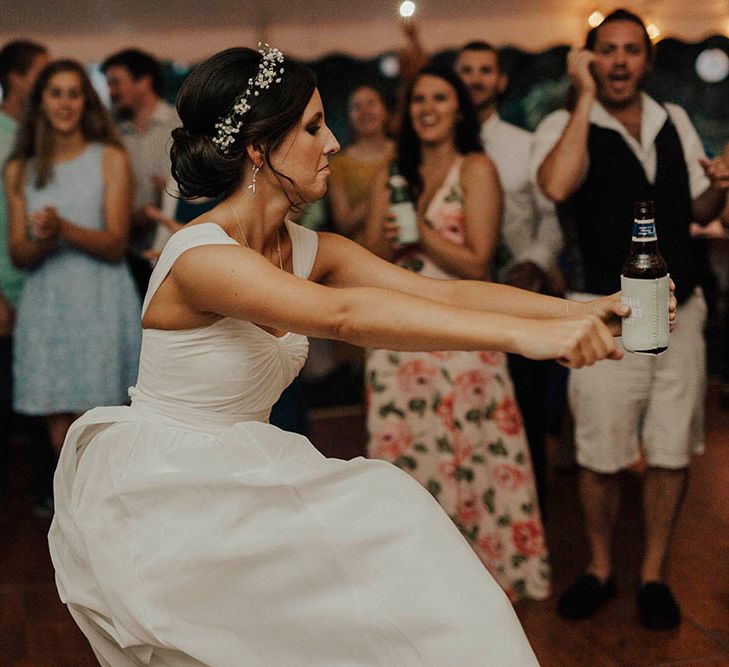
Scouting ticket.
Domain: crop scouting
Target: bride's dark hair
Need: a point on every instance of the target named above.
(200, 168)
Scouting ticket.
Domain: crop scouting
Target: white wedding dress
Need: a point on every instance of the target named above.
(189, 531)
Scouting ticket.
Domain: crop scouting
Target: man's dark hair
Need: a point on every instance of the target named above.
(17, 56)
(480, 45)
(139, 64)
(621, 15)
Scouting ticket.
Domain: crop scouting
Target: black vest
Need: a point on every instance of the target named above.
(598, 218)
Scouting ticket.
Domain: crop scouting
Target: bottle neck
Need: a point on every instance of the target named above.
(644, 231)
(643, 247)
(645, 239)
(399, 191)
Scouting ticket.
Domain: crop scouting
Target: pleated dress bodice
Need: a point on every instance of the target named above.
(211, 377)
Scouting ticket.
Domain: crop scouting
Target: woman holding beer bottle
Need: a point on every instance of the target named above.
(450, 418)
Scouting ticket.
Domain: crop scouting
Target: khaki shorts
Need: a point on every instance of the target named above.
(656, 399)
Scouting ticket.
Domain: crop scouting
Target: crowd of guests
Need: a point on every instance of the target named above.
(79, 196)
(89, 202)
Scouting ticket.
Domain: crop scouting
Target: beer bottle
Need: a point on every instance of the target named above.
(645, 286)
(402, 207)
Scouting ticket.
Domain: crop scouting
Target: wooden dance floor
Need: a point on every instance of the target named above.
(36, 630)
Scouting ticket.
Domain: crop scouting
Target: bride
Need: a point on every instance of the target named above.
(188, 530)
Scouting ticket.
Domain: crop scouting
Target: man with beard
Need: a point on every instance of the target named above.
(146, 122)
(614, 146)
(531, 237)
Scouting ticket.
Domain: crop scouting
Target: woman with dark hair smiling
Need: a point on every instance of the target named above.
(69, 188)
(449, 418)
(188, 530)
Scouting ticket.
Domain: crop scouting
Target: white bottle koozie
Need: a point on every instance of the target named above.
(406, 218)
(647, 326)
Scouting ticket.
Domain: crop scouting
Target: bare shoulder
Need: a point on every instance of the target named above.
(13, 168)
(115, 157)
(475, 162)
(333, 251)
(331, 242)
(213, 260)
(14, 173)
(477, 168)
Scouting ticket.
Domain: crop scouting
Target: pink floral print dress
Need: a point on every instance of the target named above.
(451, 421)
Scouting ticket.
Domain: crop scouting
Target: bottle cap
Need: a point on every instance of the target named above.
(644, 210)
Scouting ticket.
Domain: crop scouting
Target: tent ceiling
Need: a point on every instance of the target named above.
(186, 31)
(142, 15)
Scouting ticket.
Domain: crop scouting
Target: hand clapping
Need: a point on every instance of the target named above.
(44, 225)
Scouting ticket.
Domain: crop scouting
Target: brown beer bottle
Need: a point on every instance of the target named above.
(645, 287)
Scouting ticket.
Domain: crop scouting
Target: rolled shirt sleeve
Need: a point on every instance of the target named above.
(693, 150)
(546, 136)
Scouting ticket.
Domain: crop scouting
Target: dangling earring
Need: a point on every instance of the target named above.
(252, 186)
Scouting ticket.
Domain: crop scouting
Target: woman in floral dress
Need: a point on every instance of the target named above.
(450, 418)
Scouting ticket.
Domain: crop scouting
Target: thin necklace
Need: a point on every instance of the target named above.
(240, 231)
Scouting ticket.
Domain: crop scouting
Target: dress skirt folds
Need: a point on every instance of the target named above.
(251, 548)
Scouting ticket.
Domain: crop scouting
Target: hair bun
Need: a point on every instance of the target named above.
(199, 168)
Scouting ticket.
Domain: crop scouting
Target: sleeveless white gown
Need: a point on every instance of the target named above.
(189, 531)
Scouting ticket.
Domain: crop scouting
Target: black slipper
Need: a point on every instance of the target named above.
(586, 595)
(657, 608)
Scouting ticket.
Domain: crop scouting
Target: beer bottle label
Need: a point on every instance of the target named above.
(647, 326)
(644, 230)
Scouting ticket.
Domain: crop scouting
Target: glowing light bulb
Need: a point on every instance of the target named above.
(712, 65)
(407, 9)
(389, 66)
(652, 30)
(595, 19)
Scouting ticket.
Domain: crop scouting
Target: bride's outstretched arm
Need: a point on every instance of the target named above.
(342, 263)
(239, 283)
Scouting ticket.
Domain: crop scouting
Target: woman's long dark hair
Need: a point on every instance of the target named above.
(200, 168)
(467, 127)
(35, 137)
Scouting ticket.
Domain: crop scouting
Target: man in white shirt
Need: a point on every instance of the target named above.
(531, 237)
(615, 146)
(146, 122)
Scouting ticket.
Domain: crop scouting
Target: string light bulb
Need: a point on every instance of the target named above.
(407, 9)
(595, 19)
(712, 65)
(653, 31)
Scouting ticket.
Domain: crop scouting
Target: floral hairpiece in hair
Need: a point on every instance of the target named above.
(269, 71)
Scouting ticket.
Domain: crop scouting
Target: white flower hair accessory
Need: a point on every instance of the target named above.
(269, 71)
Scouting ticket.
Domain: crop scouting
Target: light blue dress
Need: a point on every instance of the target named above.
(78, 331)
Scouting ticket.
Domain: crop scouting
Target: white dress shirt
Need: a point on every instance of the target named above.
(149, 152)
(652, 120)
(530, 227)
